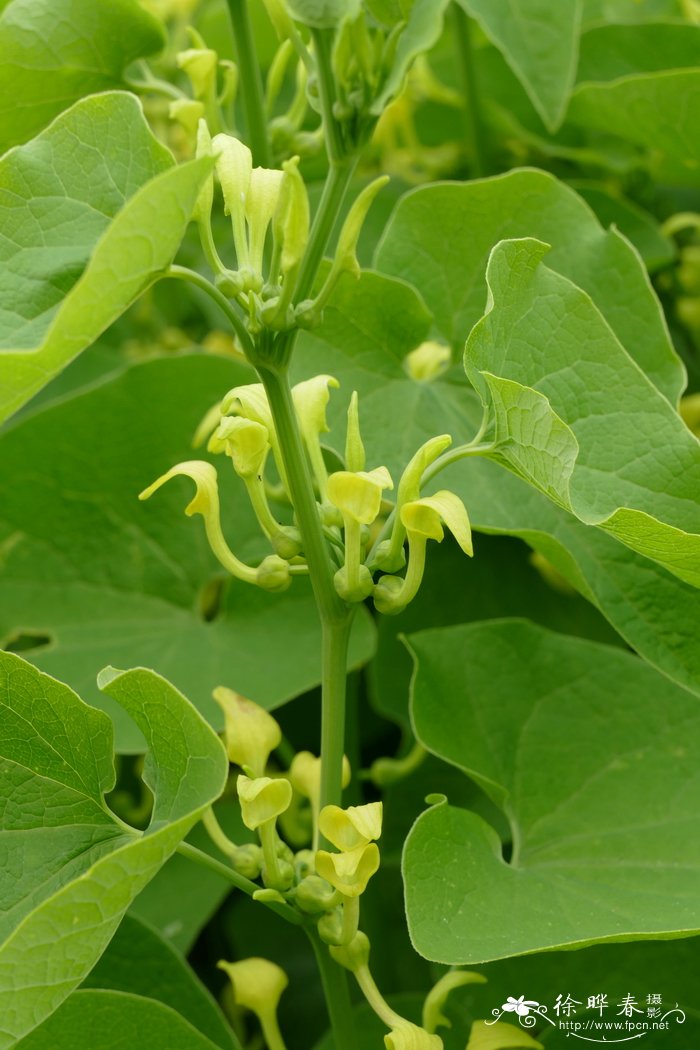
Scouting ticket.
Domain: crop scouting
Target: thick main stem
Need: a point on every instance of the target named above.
(250, 82)
(337, 995)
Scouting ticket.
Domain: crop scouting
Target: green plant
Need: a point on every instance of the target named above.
(385, 362)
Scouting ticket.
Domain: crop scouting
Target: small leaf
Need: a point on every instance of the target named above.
(57, 51)
(577, 418)
(77, 869)
(592, 757)
(539, 40)
(117, 226)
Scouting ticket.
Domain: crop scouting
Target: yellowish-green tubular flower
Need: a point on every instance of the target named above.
(389, 555)
(200, 65)
(209, 422)
(205, 200)
(247, 443)
(272, 574)
(292, 219)
(305, 776)
(257, 986)
(234, 166)
(260, 205)
(262, 800)
(349, 872)
(311, 399)
(407, 1036)
(250, 733)
(354, 449)
(351, 828)
(423, 520)
(403, 1035)
(358, 497)
(187, 112)
(427, 361)
(251, 402)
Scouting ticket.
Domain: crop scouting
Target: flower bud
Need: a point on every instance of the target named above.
(354, 449)
(273, 574)
(247, 860)
(290, 224)
(330, 927)
(262, 799)
(349, 872)
(287, 542)
(251, 732)
(349, 829)
(357, 590)
(427, 361)
(314, 895)
(386, 595)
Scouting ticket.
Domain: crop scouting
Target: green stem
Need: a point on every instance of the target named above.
(472, 116)
(323, 42)
(337, 994)
(217, 834)
(250, 82)
(239, 881)
(334, 189)
(182, 273)
(334, 614)
(271, 1031)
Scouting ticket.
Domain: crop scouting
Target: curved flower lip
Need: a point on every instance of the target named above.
(310, 399)
(425, 517)
(348, 829)
(262, 799)
(257, 983)
(359, 494)
(349, 872)
(407, 1036)
(251, 732)
(203, 474)
(245, 441)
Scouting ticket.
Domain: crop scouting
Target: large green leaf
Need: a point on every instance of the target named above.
(592, 756)
(162, 974)
(75, 868)
(439, 239)
(539, 40)
(104, 578)
(56, 51)
(611, 51)
(658, 112)
(368, 329)
(576, 417)
(92, 211)
(120, 1020)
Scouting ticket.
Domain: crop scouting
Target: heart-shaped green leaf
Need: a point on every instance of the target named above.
(76, 868)
(162, 974)
(92, 211)
(576, 417)
(592, 756)
(56, 51)
(123, 1021)
(539, 40)
(439, 239)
